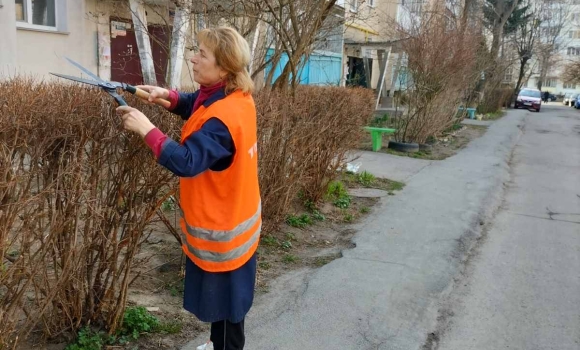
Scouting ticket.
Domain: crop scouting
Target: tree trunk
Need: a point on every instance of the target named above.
(521, 74)
(143, 43)
(180, 27)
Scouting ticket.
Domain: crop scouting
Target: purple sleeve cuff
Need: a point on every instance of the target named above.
(154, 139)
(173, 99)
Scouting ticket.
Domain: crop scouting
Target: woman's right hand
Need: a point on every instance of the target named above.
(154, 92)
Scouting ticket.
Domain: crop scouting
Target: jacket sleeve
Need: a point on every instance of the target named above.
(182, 103)
(211, 147)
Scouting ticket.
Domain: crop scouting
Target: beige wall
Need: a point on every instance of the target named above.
(7, 38)
(371, 24)
(42, 52)
(36, 53)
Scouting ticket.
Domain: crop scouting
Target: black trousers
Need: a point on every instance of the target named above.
(227, 336)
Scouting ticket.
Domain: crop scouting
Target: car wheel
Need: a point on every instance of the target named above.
(538, 110)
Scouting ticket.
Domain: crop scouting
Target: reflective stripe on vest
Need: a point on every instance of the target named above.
(223, 237)
(224, 257)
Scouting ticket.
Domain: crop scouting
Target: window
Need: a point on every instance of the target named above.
(371, 3)
(353, 5)
(530, 93)
(550, 82)
(569, 86)
(415, 6)
(574, 34)
(508, 75)
(573, 51)
(41, 14)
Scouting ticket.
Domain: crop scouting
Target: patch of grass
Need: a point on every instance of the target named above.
(310, 205)
(269, 240)
(169, 204)
(493, 115)
(171, 327)
(290, 259)
(316, 215)
(366, 179)
(176, 288)
(323, 260)
(136, 321)
(381, 121)
(365, 210)
(264, 265)
(396, 185)
(348, 217)
(336, 189)
(299, 221)
(286, 245)
(342, 202)
(337, 193)
(87, 339)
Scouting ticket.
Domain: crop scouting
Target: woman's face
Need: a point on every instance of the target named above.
(205, 70)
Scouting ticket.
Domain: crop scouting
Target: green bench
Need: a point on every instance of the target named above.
(377, 136)
(470, 112)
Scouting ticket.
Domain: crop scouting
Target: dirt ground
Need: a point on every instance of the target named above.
(443, 147)
(160, 280)
(158, 275)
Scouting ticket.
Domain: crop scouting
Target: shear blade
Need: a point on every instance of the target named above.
(79, 80)
(88, 72)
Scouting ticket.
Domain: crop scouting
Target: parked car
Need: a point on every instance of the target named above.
(566, 99)
(552, 97)
(577, 103)
(573, 99)
(529, 98)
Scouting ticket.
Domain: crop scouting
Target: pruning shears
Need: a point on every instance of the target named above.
(110, 86)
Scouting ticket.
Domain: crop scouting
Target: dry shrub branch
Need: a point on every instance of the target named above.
(77, 193)
(304, 139)
(441, 68)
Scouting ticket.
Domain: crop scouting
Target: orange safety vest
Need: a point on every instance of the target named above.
(221, 210)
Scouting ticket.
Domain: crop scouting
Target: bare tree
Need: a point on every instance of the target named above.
(525, 37)
(554, 18)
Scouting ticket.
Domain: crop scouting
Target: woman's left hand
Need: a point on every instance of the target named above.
(135, 121)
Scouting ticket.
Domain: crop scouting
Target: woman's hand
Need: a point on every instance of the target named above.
(135, 121)
(154, 92)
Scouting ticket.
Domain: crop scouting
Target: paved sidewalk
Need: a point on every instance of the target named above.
(387, 165)
(384, 293)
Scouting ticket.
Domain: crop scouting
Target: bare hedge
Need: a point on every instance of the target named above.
(77, 192)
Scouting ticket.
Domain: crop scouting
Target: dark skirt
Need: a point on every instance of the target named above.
(218, 296)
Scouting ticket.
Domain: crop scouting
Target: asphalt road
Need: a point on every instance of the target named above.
(479, 251)
(523, 285)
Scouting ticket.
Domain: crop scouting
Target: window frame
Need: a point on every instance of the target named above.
(353, 6)
(550, 82)
(60, 24)
(372, 3)
(570, 86)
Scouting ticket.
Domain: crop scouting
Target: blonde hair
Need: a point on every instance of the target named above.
(232, 54)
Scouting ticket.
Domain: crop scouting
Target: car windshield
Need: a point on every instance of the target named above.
(568, 94)
(530, 93)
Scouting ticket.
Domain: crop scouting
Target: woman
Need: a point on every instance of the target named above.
(217, 163)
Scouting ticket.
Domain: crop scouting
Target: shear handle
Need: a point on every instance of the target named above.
(142, 94)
